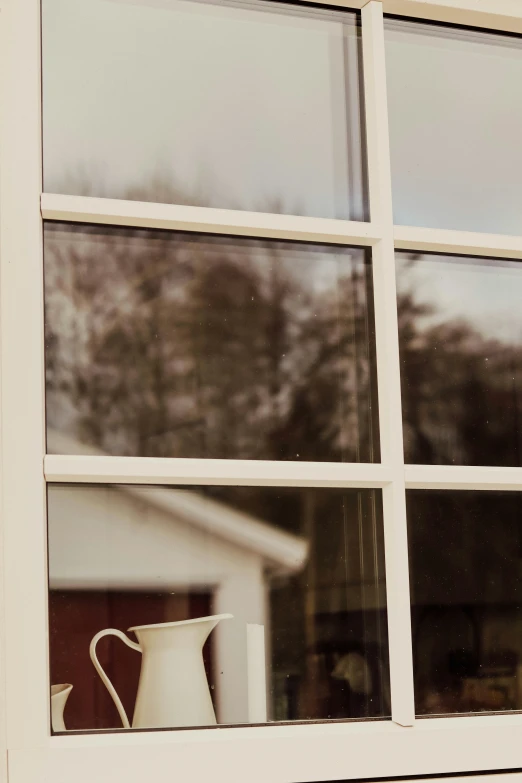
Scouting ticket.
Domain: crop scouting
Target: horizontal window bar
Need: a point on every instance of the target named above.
(86, 209)
(152, 470)
(495, 14)
(462, 477)
(139, 214)
(438, 240)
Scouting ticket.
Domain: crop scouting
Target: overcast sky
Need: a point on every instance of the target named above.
(455, 108)
(488, 294)
(245, 107)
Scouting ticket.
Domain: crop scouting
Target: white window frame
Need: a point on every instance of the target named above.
(275, 753)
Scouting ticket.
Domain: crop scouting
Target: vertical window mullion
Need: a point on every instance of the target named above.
(22, 381)
(388, 365)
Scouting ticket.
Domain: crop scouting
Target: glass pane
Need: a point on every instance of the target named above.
(244, 105)
(307, 565)
(168, 344)
(455, 123)
(460, 332)
(465, 565)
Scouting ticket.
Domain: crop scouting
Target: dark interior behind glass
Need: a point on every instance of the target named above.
(465, 575)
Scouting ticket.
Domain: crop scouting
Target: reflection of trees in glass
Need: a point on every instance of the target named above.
(461, 391)
(169, 344)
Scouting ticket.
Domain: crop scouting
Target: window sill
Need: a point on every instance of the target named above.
(281, 754)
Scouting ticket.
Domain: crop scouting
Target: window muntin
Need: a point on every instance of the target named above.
(251, 106)
(455, 116)
(307, 564)
(460, 332)
(168, 344)
(465, 550)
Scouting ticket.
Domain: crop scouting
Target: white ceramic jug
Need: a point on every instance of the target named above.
(59, 696)
(173, 688)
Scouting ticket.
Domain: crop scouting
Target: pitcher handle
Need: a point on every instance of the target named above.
(108, 684)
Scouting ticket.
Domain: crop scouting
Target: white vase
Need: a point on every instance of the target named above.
(173, 688)
(59, 696)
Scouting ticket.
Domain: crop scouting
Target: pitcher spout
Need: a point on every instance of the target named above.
(176, 635)
(212, 620)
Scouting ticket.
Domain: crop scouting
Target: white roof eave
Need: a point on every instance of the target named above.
(283, 552)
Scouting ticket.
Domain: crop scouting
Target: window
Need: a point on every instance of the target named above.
(167, 344)
(465, 566)
(260, 419)
(454, 114)
(277, 85)
(459, 333)
(306, 565)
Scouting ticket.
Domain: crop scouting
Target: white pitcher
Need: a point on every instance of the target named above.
(59, 696)
(173, 688)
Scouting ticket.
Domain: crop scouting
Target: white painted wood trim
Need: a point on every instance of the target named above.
(4, 87)
(142, 214)
(348, 730)
(152, 470)
(165, 471)
(463, 477)
(84, 209)
(503, 15)
(278, 754)
(438, 240)
(24, 553)
(281, 754)
(388, 366)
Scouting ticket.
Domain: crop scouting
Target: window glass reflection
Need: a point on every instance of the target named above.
(455, 117)
(305, 566)
(243, 105)
(175, 345)
(460, 331)
(465, 565)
